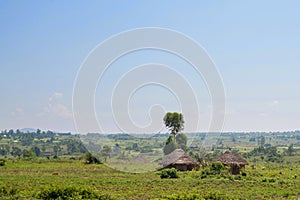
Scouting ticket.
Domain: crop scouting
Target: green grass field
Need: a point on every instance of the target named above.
(33, 179)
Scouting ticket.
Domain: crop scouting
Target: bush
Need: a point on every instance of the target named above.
(244, 174)
(183, 196)
(272, 180)
(192, 196)
(2, 162)
(70, 193)
(8, 192)
(206, 172)
(90, 159)
(216, 167)
(169, 173)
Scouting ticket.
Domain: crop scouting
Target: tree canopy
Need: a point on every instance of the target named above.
(174, 122)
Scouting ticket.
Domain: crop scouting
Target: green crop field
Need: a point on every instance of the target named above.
(42, 179)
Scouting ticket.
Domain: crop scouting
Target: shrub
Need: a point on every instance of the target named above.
(70, 193)
(244, 174)
(169, 173)
(183, 196)
(8, 191)
(214, 195)
(272, 180)
(216, 167)
(192, 196)
(90, 159)
(206, 172)
(2, 162)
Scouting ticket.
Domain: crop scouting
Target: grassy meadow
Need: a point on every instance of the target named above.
(45, 179)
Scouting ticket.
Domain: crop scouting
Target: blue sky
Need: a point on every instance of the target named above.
(255, 45)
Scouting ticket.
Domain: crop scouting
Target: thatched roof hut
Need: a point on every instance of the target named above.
(233, 160)
(179, 160)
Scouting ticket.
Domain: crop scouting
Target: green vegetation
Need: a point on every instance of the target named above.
(70, 193)
(169, 173)
(41, 178)
(39, 144)
(215, 169)
(44, 165)
(175, 123)
(90, 159)
(2, 162)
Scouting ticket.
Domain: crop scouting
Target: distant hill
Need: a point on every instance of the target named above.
(25, 130)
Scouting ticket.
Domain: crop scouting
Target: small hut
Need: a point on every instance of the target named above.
(233, 160)
(179, 160)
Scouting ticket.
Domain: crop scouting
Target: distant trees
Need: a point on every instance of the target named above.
(261, 141)
(27, 154)
(56, 149)
(39, 143)
(36, 150)
(75, 146)
(4, 150)
(16, 151)
(106, 151)
(135, 147)
(268, 154)
(290, 151)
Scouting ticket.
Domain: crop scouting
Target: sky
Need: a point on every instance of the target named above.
(255, 46)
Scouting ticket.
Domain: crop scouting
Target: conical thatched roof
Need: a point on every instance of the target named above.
(140, 158)
(178, 156)
(231, 157)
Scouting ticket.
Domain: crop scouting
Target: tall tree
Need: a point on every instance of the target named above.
(16, 152)
(106, 151)
(291, 150)
(170, 145)
(174, 122)
(262, 141)
(36, 150)
(181, 140)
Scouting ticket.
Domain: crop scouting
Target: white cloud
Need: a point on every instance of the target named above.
(263, 114)
(18, 112)
(55, 96)
(56, 108)
(274, 103)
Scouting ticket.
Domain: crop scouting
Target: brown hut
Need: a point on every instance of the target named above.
(233, 160)
(179, 160)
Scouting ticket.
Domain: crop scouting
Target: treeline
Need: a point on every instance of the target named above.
(39, 143)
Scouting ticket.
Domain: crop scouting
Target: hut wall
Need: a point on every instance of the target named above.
(179, 167)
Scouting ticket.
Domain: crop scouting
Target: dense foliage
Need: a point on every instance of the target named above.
(169, 173)
(174, 122)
